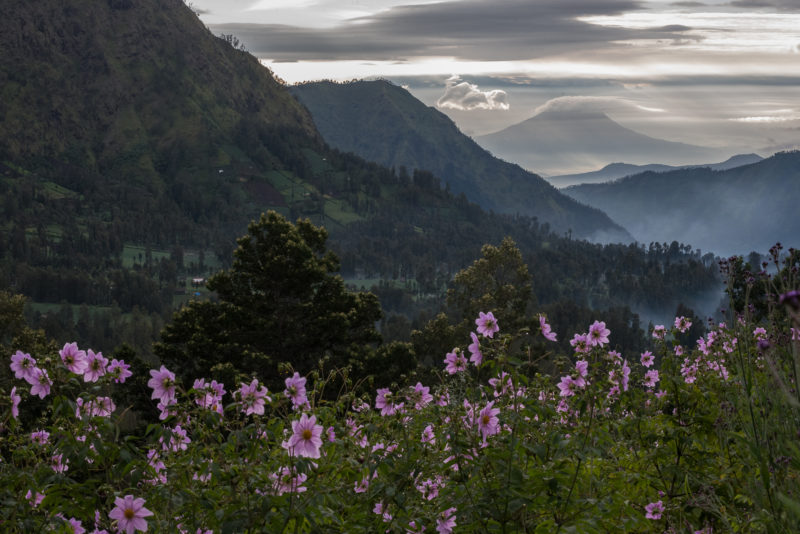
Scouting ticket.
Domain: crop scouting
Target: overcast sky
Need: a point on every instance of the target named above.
(716, 72)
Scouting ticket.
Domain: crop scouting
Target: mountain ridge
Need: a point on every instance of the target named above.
(734, 211)
(614, 171)
(384, 123)
(554, 141)
(155, 150)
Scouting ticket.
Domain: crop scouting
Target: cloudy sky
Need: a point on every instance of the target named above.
(711, 72)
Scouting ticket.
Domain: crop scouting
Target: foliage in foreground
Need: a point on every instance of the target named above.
(694, 438)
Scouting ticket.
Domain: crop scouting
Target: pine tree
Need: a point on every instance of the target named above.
(279, 302)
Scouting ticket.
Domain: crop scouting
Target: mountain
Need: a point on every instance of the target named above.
(734, 211)
(135, 147)
(384, 123)
(615, 171)
(136, 107)
(559, 142)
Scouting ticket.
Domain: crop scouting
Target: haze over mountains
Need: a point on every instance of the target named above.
(734, 211)
(382, 122)
(150, 134)
(560, 141)
(614, 171)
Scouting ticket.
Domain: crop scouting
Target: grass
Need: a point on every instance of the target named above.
(55, 191)
(46, 308)
(130, 255)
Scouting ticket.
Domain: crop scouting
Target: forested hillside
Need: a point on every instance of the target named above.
(384, 123)
(733, 211)
(166, 141)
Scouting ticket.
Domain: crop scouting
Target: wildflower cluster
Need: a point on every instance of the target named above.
(609, 439)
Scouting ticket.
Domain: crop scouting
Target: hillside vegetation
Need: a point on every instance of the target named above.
(163, 142)
(384, 123)
(732, 211)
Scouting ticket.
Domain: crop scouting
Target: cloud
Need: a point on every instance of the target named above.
(782, 5)
(593, 104)
(479, 30)
(466, 96)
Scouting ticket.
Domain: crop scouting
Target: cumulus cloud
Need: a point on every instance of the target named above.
(466, 96)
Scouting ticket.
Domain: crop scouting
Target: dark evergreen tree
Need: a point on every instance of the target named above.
(279, 302)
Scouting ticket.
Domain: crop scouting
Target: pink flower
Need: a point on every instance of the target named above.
(501, 384)
(626, 373)
(547, 332)
(567, 386)
(456, 362)
(689, 371)
(163, 385)
(488, 421)
(682, 324)
(286, 481)
(209, 395)
(178, 441)
(598, 334)
(130, 514)
(446, 521)
(119, 370)
(96, 366)
(58, 465)
(414, 529)
(76, 526)
(296, 391)
(382, 511)
(428, 436)
(384, 402)
(306, 438)
(487, 324)
(654, 510)
(167, 409)
(582, 367)
(23, 365)
(659, 331)
(430, 487)
(15, 400)
(74, 359)
(99, 407)
(580, 342)
(40, 437)
(647, 358)
(362, 485)
(40, 383)
(476, 356)
(651, 378)
(35, 499)
(420, 396)
(253, 398)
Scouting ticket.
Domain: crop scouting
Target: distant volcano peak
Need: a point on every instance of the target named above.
(570, 115)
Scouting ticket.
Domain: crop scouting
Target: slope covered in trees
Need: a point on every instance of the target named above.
(732, 211)
(384, 123)
(169, 141)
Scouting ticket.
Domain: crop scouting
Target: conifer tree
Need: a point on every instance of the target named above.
(279, 302)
